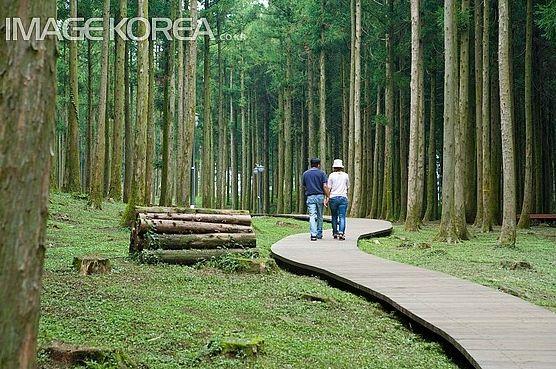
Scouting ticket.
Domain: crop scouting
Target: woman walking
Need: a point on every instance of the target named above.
(338, 184)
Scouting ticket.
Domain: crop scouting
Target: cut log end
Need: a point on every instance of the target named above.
(87, 265)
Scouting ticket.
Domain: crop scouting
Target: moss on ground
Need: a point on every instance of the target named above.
(166, 316)
(527, 270)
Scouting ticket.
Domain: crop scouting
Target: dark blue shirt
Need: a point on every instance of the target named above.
(314, 181)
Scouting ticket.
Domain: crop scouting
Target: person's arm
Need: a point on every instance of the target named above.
(326, 188)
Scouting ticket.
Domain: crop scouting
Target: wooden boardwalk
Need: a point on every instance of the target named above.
(493, 330)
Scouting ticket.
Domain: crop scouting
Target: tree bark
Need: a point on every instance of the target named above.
(129, 127)
(27, 109)
(322, 96)
(460, 139)
(207, 241)
(181, 162)
(174, 226)
(207, 160)
(479, 112)
(233, 148)
(387, 211)
(312, 131)
(191, 104)
(140, 144)
(168, 127)
(90, 115)
(149, 162)
(115, 191)
(351, 104)
(73, 177)
(413, 219)
(224, 218)
(357, 131)
(508, 232)
(245, 171)
(97, 180)
(188, 257)
(222, 141)
(184, 210)
(524, 221)
(432, 192)
(377, 160)
(448, 224)
(487, 182)
(288, 160)
(403, 146)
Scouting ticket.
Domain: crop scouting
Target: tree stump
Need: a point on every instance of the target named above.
(66, 355)
(87, 265)
(260, 266)
(238, 347)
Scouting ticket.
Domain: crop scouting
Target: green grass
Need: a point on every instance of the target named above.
(165, 316)
(481, 259)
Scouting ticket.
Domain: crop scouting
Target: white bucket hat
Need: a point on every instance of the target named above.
(338, 163)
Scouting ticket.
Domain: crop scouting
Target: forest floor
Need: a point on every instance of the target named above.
(527, 270)
(166, 316)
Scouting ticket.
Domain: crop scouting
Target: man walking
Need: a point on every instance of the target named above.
(316, 189)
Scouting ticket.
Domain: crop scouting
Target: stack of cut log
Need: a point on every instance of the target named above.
(186, 236)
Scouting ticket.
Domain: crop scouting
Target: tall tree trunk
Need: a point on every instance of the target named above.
(266, 158)
(73, 178)
(129, 127)
(431, 165)
(322, 96)
(345, 113)
(191, 104)
(181, 161)
(479, 111)
(377, 160)
(107, 127)
(496, 144)
(168, 127)
(387, 211)
(413, 219)
(288, 160)
(351, 104)
(233, 147)
(403, 145)
(460, 138)
(357, 132)
(508, 233)
(301, 138)
(27, 110)
(245, 171)
(97, 183)
(90, 115)
(150, 153)
(140, 144)
(222, 142)
(487, 175)
(524, 221)
(119, 111)
(310, 105)
(448, 231)
(208, 167)
(367, 155)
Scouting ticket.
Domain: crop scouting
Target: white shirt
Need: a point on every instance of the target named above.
(338, 182)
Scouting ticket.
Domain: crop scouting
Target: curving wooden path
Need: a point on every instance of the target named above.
(493, 330)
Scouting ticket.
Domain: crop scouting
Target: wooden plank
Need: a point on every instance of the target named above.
(490, 328)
